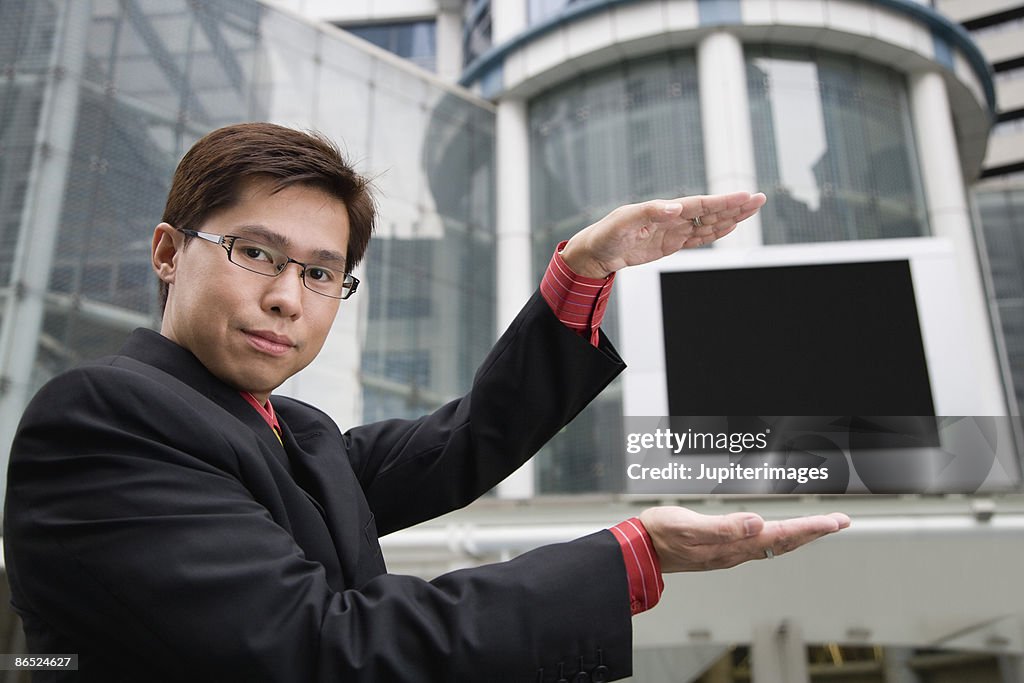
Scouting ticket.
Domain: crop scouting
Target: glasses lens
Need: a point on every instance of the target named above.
(262, 259)
(325, 281)
(256, 257)
(348, 287)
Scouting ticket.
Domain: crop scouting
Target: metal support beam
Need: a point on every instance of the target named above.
(222, 50)
(40, 220)
(154, 42)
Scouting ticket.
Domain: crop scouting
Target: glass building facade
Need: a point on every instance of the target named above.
(619, 135)
(476, 31)
(1001, 210)
(415, 41)
(833, 146)
(102, 98)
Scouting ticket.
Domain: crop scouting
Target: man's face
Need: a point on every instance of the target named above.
(253, 331)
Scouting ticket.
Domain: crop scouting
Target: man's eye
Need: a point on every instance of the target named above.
(319, 274)
(255, 253)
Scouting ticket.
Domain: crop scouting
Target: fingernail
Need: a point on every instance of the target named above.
(673, 208)
(751, 527)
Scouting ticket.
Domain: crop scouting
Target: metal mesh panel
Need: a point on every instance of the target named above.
(27, 31)
(19, 114)
(152, 76)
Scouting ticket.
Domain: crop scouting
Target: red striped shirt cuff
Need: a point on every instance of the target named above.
(642, 565)
(579, 302)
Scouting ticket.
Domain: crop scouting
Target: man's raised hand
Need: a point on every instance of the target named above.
(640, 233)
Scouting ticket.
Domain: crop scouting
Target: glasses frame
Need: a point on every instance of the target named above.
(349, 282)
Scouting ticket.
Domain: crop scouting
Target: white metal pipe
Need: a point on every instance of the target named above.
(475, 540)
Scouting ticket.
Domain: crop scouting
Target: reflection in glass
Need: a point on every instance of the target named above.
(155, 76)
(476, 31)
(833, 147)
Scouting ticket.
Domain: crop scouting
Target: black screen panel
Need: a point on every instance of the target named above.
(826, 339)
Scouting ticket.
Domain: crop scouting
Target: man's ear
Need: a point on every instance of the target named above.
(164, 251)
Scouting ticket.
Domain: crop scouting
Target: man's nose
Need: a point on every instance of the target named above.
(286, 291)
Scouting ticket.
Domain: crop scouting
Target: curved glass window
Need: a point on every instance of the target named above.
(622, 134)
(476, 31)
(539, 10)
(413, 40)
(834, 148)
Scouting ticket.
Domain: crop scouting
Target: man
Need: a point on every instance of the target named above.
(168, 521)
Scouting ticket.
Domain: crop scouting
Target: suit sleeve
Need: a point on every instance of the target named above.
(155, 559)
(162, 560)
(535, 380)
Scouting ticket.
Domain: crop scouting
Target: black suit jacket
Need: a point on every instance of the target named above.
(155, 526)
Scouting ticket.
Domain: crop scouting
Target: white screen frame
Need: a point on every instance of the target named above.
(941, 312)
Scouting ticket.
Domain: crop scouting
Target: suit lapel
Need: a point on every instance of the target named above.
(310, 450)
(322, 468)
(163, 354)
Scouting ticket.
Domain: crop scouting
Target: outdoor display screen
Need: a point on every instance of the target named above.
(827, 339)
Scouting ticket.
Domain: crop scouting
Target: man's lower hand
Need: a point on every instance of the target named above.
(690, 541)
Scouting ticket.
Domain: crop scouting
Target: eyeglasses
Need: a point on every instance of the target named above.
(264, 260)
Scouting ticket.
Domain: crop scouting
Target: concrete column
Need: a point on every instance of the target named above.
(508, 18)
(1011, 668)
(778, 654)
(725, 117)
(449, 45)
(896, 667)
(950, 217)
(515, 275)
(40, 220)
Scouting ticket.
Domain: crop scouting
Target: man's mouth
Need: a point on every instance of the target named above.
(269, 342)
